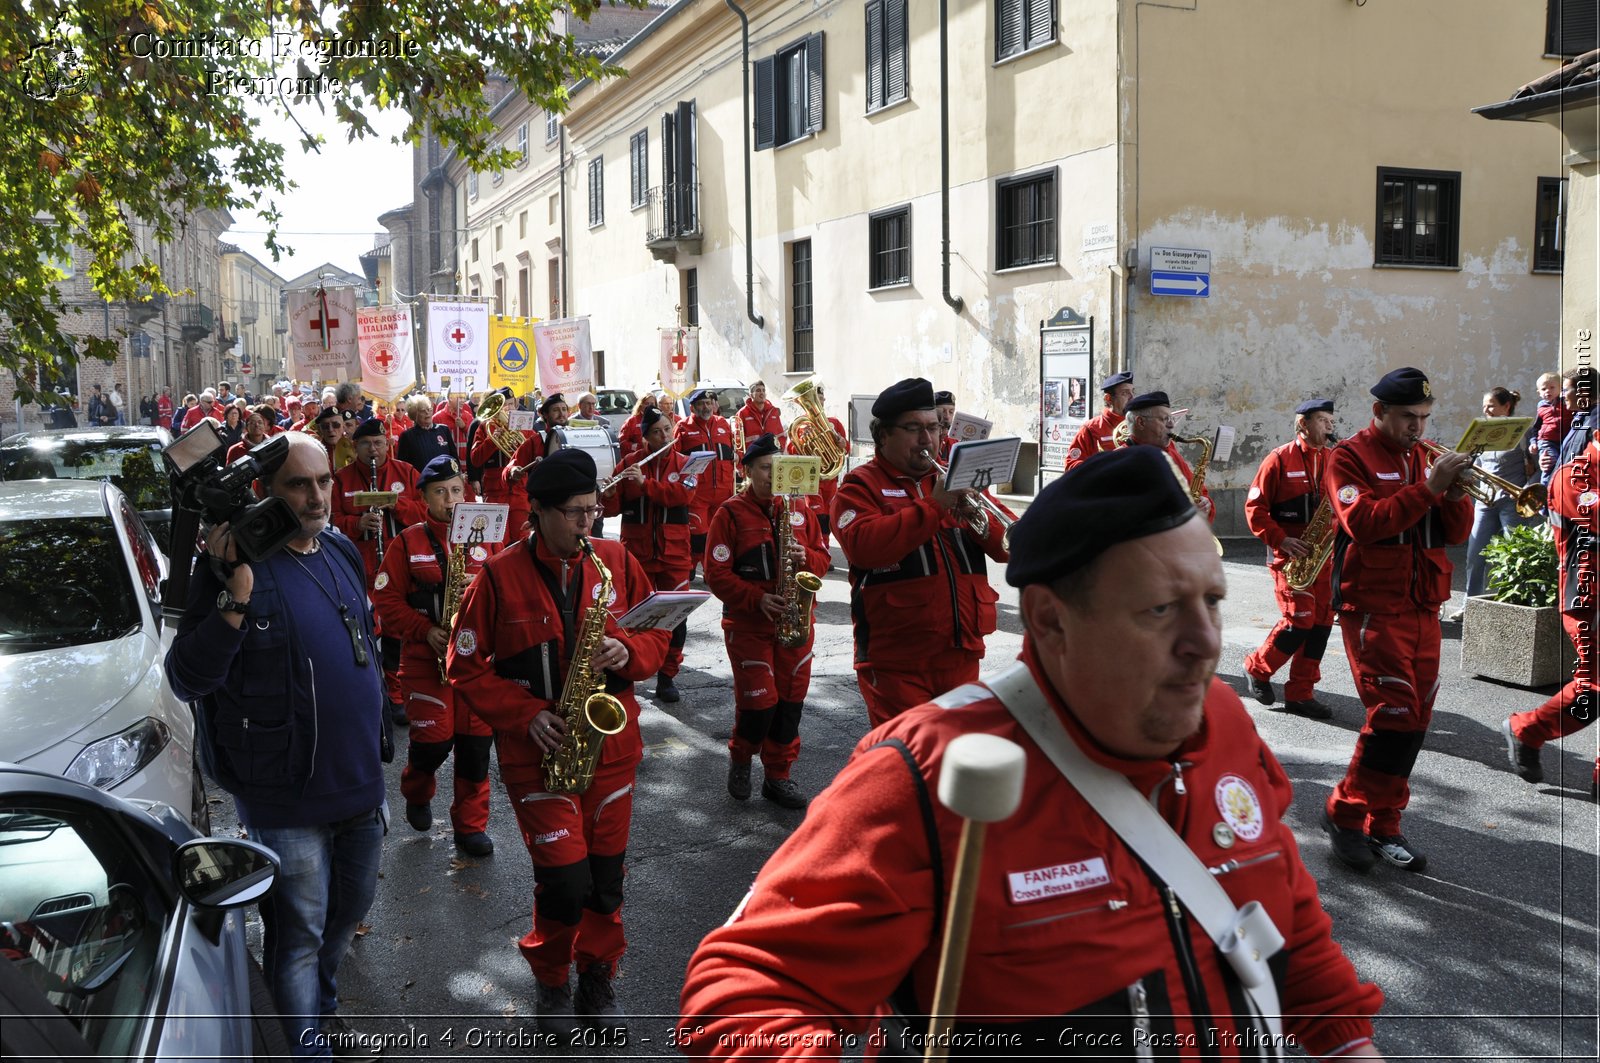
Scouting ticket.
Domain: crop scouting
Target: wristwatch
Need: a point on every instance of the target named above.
(227, 603)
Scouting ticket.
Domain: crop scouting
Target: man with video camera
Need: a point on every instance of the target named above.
(277, 653)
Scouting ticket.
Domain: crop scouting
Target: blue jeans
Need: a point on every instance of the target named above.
(328, 879)
(1488, 522)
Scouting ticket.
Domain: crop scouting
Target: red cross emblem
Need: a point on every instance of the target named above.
(679, 359)
(333, 323)
(565, 361)
(458, 335)
(383, 356)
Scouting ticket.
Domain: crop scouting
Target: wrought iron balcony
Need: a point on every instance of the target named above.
(674, 223)
(227, 339)
(249, 312)
(197, 320)
(146, 308)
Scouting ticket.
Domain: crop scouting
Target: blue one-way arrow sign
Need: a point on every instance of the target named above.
(1191, 285)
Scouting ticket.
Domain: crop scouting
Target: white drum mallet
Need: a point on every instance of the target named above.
(980, 780)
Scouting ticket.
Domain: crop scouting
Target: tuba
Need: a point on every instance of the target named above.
(810, 433)
(799, 589)
(589, 712)
(497, 423)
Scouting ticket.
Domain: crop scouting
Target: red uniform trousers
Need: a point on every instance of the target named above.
(1299, 638)
(889, 693)
(440, 725)
(1572, 708)
(1395, 658)
(769, 689)
(577, 843)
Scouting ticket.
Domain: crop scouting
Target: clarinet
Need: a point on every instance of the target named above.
(382, 517)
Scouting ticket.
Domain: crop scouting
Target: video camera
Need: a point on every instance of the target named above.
(202, 484)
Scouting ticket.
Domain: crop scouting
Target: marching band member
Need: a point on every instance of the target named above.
(408, 597)
(920, 598)
(1280, 503)
(1575, 523)
(1150, 421)
(1095, 435)
(770, 680)
(508, 661)
(1400, 506)
(704, 429)
(374, 470)
(760, 417)
(631, 434)
(454, 414)
(654, 502)
(499, 475)
(944, 407)
(822, 502)
(1076, 943)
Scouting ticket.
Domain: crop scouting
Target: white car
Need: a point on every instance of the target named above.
(82, 648)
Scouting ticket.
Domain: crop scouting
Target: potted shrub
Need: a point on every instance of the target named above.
(1513, 632)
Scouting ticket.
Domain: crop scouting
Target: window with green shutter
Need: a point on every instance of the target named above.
(1022, 25)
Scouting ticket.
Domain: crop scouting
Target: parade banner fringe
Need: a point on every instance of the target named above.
(388, 353)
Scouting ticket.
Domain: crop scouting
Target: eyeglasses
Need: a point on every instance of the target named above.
(577, 513)
(930, 430)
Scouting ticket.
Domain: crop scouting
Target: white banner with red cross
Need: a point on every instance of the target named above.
(458, 345)
(322, 334)
(680, 360)
(388, 356)
(566, 361)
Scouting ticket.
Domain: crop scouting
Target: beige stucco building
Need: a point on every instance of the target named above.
(1354, 214)
(252, 318)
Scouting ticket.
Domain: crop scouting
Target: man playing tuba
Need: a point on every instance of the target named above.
(1282, 500)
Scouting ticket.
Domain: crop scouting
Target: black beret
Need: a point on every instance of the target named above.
(550, 400)
(349, 415)
(329, 413)
(507, 393)
(1147, 400)
(1116, 380)
(699, 393)
(442, 467)
(650, 416)
(1315, 406)
(944, 398)
(567, 472)
(1403, 387)
(760, 447)
(1113, 497)
(913, 394)
(370, 427)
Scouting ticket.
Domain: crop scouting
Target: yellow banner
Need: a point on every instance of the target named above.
(511, 361)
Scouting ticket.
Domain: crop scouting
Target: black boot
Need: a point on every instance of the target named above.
(595, 1004)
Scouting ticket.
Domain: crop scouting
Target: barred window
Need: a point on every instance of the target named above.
(890, 245)
(1550, 226)
(1025, 216)
(1419, 215)
(801, 358)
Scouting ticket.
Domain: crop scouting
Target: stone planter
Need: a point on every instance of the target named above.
(1515, 643)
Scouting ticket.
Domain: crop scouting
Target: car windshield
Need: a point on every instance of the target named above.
(63, 582)
(134, 465)
(80, 920)
(616, 401)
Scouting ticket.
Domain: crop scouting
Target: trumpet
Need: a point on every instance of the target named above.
(978, 510)
(1485, 487)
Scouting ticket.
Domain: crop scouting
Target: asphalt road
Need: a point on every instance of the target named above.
(1490, 954)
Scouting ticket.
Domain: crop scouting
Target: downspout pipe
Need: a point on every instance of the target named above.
(561, 150)
(955, 302)
(749, 246)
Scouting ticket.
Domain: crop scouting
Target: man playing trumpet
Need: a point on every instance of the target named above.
(1399, 505)
(1283, 499)
(920, 597)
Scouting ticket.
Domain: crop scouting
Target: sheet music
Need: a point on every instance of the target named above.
(698, 462)
(1222, 446)
(663, 610)
(982, 463)
(479, 522)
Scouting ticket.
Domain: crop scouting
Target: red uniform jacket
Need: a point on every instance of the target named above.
(509, 657)
(716, 483)
(1285, 493)
(655, 515)
(823, 502)
(241, 448)
(489, 462)
(1068, 922)
(1092, 438)
(196, 412)
(630, 436)
(1575, 523)
(758, 422)
(393, 475)
(919, 583)
(456, 425)
(1398, 529)
(742, 558)
(408, 594)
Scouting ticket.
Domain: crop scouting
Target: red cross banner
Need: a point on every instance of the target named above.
(566, 362)
(388, 359)
(458, 345)
(680, 360)
(322, 334)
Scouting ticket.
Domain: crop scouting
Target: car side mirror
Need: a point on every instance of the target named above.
(224, 872)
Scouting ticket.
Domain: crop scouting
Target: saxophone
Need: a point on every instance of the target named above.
(799, 589)
(590, 713)
(455, 585)
(1302, 572)
(1197, 482)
